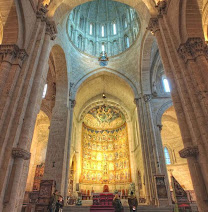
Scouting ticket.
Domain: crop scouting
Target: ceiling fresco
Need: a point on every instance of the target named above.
(104, 117)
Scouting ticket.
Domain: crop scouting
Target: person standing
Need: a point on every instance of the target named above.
(133, 203)
(53, 201)
(59, 204)
(117, 204)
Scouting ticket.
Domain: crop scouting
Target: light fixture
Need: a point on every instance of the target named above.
(104, 96)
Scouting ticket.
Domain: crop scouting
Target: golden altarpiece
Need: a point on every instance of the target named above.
(105, 151)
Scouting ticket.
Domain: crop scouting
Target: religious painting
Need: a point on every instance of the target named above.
(105, 150)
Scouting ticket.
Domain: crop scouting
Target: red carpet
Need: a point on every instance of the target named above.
(101, 208)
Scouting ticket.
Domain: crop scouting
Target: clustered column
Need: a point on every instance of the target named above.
(186, 68)
(20, 103)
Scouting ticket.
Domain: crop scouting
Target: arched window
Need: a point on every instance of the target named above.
(71, 33)
(166, 85)
(44, 91)
(126, 41)
(103, 47)
(103, 30)
(91, 47)
(81, 22)
(115, 48)
(167, 156)
(124, 22)
(80, 42)
(91, 28)
(114, 29)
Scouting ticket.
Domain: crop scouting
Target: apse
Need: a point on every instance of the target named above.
(103, 26)
(105, 149)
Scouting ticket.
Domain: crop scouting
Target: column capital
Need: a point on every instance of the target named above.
(10, 50)
(189, 152)
(153, 25)
(72, 103)
(193, 48)
(136, 101)
(160, 126)
(51, 29)
(22, 55)
(41, 12)
(147, 97)
(20, 153)
(162, 8)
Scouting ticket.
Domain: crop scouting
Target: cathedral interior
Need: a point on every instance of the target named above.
(103, 97)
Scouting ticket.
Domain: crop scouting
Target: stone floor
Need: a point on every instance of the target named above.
(126, 209)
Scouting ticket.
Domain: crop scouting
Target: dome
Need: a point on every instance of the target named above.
(103, 26)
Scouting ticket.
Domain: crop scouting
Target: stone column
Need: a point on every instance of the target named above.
(161, 160)
(71, 111)
(9, 53)
(32, 110)
(190, 111)
(148, 160)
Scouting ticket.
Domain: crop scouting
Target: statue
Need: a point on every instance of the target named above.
(103, 59)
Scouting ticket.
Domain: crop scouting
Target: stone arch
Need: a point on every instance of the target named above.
(205, 20)
(161, 111)
(190, 22)
(100, 71)
(146, 63)
(10, 21)
(58, 141)
(61, 74)
(60, 9)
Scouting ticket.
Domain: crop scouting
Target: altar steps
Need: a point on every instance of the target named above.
(126, 209)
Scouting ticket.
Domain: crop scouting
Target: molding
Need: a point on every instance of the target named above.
(189, 152)
(21, 153)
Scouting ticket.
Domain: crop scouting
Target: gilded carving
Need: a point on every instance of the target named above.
(153, 25)
(105, 156)
(189, 152)
(193, 48)
(20, 153)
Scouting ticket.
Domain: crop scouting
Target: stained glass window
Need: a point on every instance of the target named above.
(167, 156)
